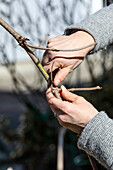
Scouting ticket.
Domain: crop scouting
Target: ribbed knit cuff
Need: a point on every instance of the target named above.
(97, 139)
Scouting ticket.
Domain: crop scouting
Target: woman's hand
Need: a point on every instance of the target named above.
(74, 113)
(67, 61)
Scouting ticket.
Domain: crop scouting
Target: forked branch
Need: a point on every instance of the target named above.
(22, 42)
(27, 47)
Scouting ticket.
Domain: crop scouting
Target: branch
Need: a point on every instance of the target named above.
(41, 42)
(22, 43)
(85, 89)
(61, 50)
(10, 29)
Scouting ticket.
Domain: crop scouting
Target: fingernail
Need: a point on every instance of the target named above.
(63, 88)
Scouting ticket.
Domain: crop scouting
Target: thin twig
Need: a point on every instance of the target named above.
(37, 62)
(55, 90)
(42, 42)
(61, 50)
(85, 89)
(92, 162)
(52, 73)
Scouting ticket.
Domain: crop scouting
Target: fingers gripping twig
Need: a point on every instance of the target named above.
(56, 91)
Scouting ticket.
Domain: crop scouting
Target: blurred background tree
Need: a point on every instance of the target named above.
(28, 129)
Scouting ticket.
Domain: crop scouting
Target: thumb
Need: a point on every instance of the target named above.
(68, 95)
(61, 75)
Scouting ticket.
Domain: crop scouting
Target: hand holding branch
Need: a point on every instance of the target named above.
(74, 113)
(67, 61)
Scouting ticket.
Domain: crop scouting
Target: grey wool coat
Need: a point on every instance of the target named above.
(97, 137)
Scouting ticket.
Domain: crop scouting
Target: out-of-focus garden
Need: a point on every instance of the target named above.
(30, 135)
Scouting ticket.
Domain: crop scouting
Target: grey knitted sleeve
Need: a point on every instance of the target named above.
(97, 139)
(99, 25)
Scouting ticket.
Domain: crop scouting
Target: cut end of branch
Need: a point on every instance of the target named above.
(99, 88)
